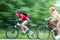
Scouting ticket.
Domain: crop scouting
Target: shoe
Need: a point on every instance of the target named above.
(27, 31)
(23, 32)
(55, 32)
(57, 37)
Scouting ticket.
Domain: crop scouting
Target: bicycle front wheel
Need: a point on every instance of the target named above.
(31, 35)
(11, 32)
(43, 33)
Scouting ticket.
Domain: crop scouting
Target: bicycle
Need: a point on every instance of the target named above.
(13, 31)
(43, 31)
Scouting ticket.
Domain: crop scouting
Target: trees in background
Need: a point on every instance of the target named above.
(37, 9)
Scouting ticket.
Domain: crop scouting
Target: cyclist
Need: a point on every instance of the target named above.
(55, 17)
(25, 18)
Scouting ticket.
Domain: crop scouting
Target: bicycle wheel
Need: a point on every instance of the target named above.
(43, 32)
(11, 32)
(54, 33)
(31, 35)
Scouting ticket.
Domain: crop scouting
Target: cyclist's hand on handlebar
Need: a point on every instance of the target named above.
(48, 19)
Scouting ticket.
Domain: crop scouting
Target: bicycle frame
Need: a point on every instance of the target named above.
(18, 24)
(50, 24)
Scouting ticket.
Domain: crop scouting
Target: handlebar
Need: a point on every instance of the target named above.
(17, 20)
(47, 19)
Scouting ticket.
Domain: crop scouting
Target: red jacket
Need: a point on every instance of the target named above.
(22, 16)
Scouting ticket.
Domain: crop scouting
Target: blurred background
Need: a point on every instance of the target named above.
(38, 10)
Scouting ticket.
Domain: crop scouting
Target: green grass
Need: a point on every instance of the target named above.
(21, 36)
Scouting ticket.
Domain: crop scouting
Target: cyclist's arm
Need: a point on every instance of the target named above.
(50, 17)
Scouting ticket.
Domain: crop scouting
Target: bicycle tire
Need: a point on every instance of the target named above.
(11, 29)
(54, 34)
(42, 32)
(31, 36)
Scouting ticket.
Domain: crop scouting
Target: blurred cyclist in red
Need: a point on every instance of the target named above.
(25, 18)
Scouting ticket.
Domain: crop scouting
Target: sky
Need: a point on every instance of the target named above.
(57, 3)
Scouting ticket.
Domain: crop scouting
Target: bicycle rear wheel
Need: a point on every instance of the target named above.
(11, 32)
(43, 32)
(54, 34)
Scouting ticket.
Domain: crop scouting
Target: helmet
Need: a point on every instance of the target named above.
(52, 9)
(17, 11)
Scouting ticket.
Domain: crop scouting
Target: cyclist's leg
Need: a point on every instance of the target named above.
(23, 25)
(26, 22)
(23, 29)
(58, 27)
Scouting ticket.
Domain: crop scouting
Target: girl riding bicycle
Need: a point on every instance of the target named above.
(55, 17)
(25, 18)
